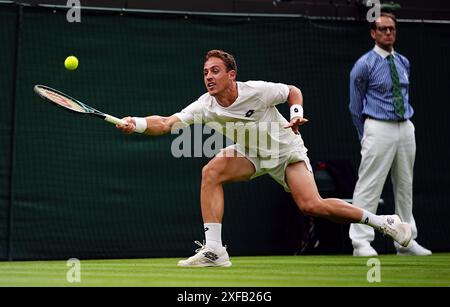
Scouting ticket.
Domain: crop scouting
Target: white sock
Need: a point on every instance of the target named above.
(371, 219)
(213, 234)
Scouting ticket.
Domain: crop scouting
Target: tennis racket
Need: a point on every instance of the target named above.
(73, 105)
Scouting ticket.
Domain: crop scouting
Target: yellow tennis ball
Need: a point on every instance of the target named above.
(71, 62)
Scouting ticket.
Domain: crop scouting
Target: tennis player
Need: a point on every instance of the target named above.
(228, 100)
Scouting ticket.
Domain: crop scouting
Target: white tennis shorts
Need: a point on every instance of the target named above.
(276, 168)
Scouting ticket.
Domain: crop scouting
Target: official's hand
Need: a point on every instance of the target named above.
(129, 127)
(295, 123)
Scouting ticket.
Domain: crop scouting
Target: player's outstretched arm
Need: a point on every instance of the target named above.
(151, 125)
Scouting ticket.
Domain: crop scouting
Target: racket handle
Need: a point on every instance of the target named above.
(114, 120)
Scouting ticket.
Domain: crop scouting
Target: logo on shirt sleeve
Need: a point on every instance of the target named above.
(249, 113)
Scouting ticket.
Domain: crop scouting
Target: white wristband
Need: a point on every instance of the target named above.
(296, 111)
(141, 124)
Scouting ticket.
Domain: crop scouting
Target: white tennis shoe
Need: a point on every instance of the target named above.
(395, 228)
(207, 257)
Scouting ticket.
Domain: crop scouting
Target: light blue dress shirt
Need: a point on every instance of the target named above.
(371, 88)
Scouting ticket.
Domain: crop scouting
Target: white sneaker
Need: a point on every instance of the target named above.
(395, 228)
(207, 257)
(365, 251)
(413, 249)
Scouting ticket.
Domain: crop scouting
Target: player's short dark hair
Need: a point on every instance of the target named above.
(373, 24)
(227, 58)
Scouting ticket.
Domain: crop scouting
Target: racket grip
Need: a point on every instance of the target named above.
(114, 120)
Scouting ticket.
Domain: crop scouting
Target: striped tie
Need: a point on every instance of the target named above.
(398, 98)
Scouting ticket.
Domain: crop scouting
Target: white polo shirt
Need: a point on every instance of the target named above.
(253, 109)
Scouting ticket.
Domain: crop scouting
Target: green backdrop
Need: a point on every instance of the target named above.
(75, 187)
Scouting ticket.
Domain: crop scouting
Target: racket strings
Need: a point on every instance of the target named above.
(61, 100)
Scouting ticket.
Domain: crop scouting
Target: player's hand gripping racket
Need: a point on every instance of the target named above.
(71, 104)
